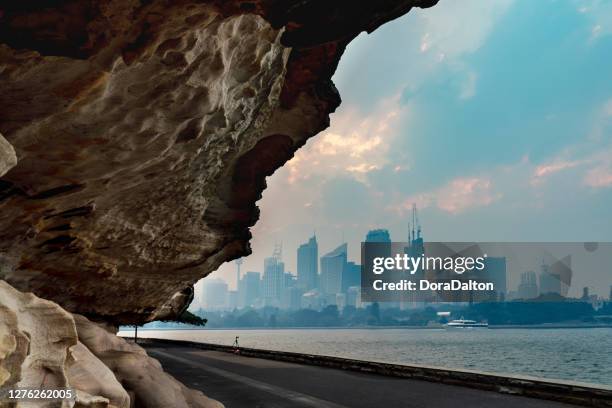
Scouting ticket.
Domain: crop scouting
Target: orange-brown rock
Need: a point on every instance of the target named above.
(144, 132)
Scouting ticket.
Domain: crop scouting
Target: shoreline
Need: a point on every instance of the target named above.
(492, 327)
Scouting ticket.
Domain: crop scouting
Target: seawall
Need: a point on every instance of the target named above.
(593, 395)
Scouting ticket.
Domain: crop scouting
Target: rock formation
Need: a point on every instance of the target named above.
(144, 133)
(135, 140)
(35, 336)
(7, 156)
(43, 346)
(141, 375)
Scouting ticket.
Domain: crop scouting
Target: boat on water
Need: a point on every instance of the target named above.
(464, 324)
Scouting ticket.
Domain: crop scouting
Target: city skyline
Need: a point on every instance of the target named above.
(339, 280)
(523, 160)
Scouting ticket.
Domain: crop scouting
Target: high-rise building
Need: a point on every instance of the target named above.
(351, 276)
(291, 298)
(377, 244)
(333, 265)
(495, 272)
(238, 262)
(528, 288)
(416, 245)
(585, 294)
(353, 296)
(308, 264)
(250, 289)
(215, 294)
(556, 277)
(232, 299)
(378, 235)
(415, 249)
(289, 281)
(273, 278)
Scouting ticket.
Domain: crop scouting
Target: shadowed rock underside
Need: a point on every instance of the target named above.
(144, 132)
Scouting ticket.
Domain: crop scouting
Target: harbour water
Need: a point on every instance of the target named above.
(583, 355)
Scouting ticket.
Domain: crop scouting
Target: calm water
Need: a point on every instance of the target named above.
(572, 354)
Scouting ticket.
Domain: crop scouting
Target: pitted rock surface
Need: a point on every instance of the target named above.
(144, 132)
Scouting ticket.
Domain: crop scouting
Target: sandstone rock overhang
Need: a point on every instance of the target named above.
(144, 131)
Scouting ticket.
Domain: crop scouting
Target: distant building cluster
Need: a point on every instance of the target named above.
(321, 281)
(333, 280)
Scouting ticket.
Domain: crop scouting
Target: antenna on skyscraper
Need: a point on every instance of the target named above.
(413, 220)
(418, 223)
(415, 223)
(409, 235)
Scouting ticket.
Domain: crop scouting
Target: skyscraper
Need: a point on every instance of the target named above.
(307, 264)
(377, 244)
(556, 276)
(495, 272)
(378, 235)
(528, 288)
(549, 284)
(333, 265)
(351, 276)
(250, 289)
(215, 294)
(273, 280)
(273, 277)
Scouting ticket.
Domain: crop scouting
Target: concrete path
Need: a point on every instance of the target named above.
(253, 383)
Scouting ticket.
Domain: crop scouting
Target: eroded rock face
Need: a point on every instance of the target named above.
(41, 346)
(94, 380)
(7, 156)
(35, 336)
(140, 374)
(145, 131)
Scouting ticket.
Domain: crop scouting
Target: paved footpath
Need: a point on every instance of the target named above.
(247, 382)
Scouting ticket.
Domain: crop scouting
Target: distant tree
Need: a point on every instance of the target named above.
(348, 313)
(329, 316)
(306, 318)
(250, 318)
(374, 311)
(188, 318)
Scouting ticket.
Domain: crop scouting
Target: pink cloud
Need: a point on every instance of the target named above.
(354, 145)
(459, 195)
(554, 167)
(599, 177)
(462, 194)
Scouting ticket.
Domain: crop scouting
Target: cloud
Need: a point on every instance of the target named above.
(547, 169)
(446, 32)
(594, 168)
(354, 145)
(599, 13)
(460, 194)
(599, 177)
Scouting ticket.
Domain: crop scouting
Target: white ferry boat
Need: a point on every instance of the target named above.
(463, 324)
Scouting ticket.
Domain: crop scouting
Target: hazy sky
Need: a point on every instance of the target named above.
(495, 117)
